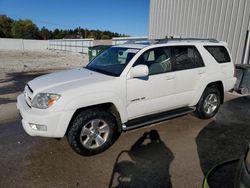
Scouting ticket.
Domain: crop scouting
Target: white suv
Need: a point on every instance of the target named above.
(127, 87)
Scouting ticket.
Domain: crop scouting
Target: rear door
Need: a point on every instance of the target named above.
(189, 71)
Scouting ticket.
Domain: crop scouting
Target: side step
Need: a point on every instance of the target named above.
(155, 118)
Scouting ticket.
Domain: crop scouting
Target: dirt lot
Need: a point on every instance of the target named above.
(186, 150)
(17, 68)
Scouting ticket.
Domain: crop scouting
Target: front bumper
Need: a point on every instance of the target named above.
(56, 122)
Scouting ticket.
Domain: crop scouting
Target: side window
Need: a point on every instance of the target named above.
(151, 56)
(158, 60)
(197, 58)
(219, 53)
(186, 57)
(122, 56)
(125, 56)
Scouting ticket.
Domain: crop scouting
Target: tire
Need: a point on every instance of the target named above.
(92, 131)
(209, 103)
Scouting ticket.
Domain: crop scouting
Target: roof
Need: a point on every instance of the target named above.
(178, 41)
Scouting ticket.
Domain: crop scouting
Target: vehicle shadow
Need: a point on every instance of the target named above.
(226, 137)
(15, 82)
(146, 164)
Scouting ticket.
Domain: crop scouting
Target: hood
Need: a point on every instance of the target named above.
(48, 81)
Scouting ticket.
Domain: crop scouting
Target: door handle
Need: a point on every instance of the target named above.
(170, 77)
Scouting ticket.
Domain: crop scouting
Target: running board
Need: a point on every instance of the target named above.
(155, 118)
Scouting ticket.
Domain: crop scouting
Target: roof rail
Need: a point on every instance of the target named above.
(145, 42)
(160, 41)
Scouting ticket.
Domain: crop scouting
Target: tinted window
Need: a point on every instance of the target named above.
(219, 53)
(158, 60)
(186, 57)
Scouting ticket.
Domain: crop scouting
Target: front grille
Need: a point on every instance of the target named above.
(28, 94)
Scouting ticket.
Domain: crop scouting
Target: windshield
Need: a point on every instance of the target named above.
(112, 61)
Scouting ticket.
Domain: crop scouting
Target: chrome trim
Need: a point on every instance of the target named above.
(124, 127)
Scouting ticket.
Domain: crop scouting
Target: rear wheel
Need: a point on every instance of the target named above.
(209, 103)
(92, 131)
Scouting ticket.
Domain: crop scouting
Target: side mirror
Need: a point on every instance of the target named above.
(139, 71)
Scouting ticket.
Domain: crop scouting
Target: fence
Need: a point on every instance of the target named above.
(75, 45)
(22, 44)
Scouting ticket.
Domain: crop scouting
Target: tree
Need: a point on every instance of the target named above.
(5, 26)
(59, 34)
(45, 33)
(25, 29)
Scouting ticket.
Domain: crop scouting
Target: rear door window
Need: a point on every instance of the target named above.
(219, 53)
(186, 57)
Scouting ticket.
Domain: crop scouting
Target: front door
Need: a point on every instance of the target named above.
(154, 93)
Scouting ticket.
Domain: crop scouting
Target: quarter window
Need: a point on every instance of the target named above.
(219, 53)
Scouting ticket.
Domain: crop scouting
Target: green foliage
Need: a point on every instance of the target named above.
(85, 33)
(99, 35)
(5, 26)
(45, 33)
(26, 29)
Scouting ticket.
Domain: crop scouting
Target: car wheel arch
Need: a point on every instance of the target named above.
(109, 106)
(220, 86)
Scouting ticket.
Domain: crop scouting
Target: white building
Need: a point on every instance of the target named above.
(226, 20)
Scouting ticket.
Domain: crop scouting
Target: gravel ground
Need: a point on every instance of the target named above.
(29, 61)
(186, 149)
(17, 68)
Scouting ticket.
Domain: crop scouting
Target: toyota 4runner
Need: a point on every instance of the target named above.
(126, 87)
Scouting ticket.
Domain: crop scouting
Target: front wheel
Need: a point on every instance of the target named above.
(209, 103)
(92, 131)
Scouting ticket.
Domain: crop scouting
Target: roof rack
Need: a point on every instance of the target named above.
(143, 42)
(166, 40)
(160, 41)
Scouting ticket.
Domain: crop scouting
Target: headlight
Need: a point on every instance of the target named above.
(44, 100)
